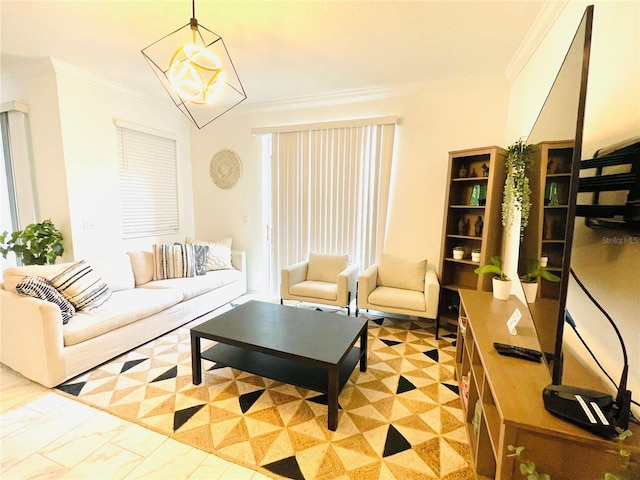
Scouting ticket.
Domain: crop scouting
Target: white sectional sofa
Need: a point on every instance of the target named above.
(35, 342)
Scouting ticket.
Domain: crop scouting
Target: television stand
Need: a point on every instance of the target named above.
(505, 407)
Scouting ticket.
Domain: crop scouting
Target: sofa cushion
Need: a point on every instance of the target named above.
(13, 276)
(398, 298)
(124, 307)
(326, 267)
(406, 273)
(313, 289)
(82, 286)
(173, 261)
(142, 266)
(195, 286)
(115, 270)
(218, 255)
(39, 287)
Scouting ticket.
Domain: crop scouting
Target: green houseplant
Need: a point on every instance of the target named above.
(517, 191)
(501, 282)
(37, 244)
(530, 279)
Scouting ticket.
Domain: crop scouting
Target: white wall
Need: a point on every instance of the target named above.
(607, 262)
(72, 115)
(434, 119)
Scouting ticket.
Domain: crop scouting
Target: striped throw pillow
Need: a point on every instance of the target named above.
(173, 261)
(82, 286)
(39, 287)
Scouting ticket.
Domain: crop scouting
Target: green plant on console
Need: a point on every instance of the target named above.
(527, 467)
(535, 271)
(517, 191)
(494, 267)
(625, 455)
(37, 244)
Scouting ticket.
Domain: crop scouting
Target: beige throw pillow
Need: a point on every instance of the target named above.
(326, 267)
(405, 273)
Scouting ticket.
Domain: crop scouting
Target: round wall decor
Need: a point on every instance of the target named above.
(225, 169)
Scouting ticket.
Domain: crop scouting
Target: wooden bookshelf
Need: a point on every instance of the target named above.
(474, 191)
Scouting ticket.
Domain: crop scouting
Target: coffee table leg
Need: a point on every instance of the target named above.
(363, 350)
(332, 400)
(196, 360)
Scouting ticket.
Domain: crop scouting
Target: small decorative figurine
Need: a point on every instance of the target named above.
(473, 172)
(485, 170)
(467, 227)
(462, 173)
(461, 226)
(478, 225)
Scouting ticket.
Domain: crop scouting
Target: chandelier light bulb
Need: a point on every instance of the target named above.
(195, 74)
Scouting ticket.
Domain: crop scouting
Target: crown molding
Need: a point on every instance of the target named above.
(547, 17)
(365, 95)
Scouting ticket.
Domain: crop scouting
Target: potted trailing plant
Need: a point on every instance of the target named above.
(530, 280)
(517, 191)
(37, 244)
(458, 253)
(475, 255)
(500, 281)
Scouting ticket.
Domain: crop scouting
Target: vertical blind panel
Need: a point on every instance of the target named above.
(148, 184)
(330, 192)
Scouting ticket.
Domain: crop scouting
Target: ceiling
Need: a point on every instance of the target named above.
(281, 49)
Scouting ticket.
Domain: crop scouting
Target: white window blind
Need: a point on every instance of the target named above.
(148, 183)
(329, 189)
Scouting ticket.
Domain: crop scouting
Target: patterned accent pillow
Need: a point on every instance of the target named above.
(201, 252)
(173, 261)
(219, 254)
(82, 286)
(39, 287)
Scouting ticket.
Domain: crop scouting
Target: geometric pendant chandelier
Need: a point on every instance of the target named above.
(194, 67)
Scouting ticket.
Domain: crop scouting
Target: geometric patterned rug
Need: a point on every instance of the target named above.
(400, 419)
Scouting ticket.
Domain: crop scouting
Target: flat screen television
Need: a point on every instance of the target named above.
(557, 140)
(561, 119)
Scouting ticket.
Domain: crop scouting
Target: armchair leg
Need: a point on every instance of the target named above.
(348, 303)
(437, 326)
(281, 301)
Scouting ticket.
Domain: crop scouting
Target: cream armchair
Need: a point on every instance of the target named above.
(400, 285)
(325, 279)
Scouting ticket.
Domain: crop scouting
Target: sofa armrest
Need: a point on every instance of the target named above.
(347, 281)
(431, 292)
(31, 338)
(291, 275)
(239, 260)
(367, 282)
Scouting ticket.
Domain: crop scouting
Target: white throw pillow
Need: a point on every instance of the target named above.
(325, 267)
(142, 266)
(406, 273)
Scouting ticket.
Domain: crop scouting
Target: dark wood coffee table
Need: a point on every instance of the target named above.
(307, 348)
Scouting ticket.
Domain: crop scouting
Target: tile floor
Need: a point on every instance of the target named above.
(44, 435)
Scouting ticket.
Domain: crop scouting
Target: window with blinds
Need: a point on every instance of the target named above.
(148, 183)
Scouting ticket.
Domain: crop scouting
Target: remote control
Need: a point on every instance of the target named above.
(518, 352)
